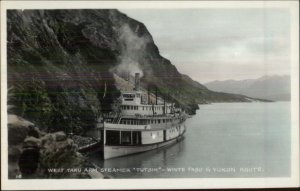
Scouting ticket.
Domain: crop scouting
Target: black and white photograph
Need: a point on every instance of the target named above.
(149, 94)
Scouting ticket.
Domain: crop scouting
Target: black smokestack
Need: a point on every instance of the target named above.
(137, 82)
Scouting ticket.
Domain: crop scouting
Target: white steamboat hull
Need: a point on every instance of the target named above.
(118, 151)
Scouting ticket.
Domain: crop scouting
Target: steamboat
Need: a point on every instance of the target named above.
(140, 125)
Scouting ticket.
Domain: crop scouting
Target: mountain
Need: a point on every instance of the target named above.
(276, 88)
(61, 66)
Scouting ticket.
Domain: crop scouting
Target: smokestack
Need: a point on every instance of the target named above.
(137, 82)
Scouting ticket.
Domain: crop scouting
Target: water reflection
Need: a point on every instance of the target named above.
(155, 159)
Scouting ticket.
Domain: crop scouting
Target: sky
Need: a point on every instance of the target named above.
(221, 44)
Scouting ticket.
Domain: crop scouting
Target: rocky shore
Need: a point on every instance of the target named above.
(36, 154)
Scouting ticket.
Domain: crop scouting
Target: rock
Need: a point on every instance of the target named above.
(14, 154)
(32, 142)
(17, 121)
(13, 170)
(17, 129)
(60, 136)
(29, 162)
(16, 134)
(34, 131)
(32, 152)
(57, 151)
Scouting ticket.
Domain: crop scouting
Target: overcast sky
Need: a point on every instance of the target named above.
(221, 44)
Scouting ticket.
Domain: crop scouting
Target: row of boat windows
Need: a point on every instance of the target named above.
(174, 129)
(130, 137)
(123, 137)
(144, 121)
(147, 108)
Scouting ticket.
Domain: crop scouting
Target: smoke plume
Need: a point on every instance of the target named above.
(133, 49)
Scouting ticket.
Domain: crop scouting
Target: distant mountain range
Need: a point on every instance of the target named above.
(275, 87)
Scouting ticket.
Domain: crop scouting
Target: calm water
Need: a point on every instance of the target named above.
(222, 140)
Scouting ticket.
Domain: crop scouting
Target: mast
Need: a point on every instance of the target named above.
(148, 95)
(153, 109)
(164, 104)
(155, 95)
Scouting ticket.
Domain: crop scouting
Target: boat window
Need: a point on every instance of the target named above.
(136, 137)
(128, 95)
(125, 137)
(112, 137)
(136, 108)
(159, 121)
(143, 108)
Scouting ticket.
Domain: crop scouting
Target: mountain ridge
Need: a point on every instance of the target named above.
(272, 87)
